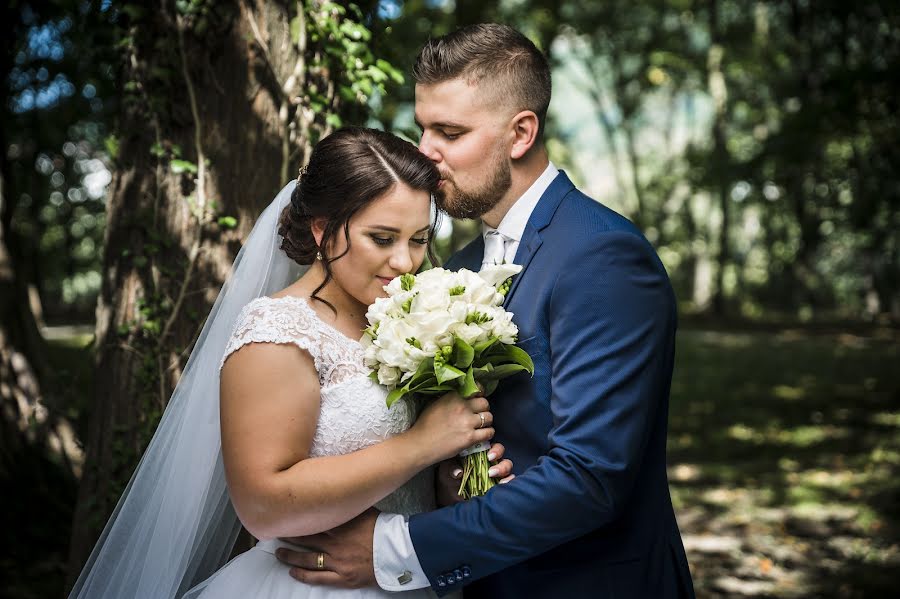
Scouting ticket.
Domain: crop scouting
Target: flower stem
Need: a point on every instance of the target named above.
(475, 480)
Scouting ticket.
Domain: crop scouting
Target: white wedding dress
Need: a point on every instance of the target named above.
(353, 415)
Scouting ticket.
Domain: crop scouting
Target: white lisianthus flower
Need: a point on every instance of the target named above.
(470, 333)
(495, 274)
(502, 327)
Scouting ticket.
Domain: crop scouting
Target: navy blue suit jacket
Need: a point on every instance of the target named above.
(589, 512)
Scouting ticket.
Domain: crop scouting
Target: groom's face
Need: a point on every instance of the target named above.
(469, 140)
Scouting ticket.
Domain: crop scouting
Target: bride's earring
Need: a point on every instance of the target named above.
(319, 256)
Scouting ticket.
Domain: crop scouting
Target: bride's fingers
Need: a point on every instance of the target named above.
(501, 469)
(478, 404)
(496, 451)
(507, 479)
(484, 419)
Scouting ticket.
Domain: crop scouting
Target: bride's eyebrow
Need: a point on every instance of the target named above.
(396, 230)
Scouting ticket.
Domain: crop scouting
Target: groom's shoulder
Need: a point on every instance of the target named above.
(592, 216)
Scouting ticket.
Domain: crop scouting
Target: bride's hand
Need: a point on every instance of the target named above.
(450, 424)
(449, 474)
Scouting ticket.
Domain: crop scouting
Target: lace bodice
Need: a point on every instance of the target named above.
(353, 414)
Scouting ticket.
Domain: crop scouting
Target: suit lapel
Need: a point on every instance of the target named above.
(531, 241)
(469, 257)
(540, 217)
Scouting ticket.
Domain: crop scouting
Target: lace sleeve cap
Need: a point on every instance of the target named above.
(265, 320)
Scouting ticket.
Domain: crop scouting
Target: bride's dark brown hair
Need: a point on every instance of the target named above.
(347, 170)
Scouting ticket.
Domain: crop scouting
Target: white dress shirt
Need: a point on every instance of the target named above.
(397, 566)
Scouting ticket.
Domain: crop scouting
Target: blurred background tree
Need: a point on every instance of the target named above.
(755, 143)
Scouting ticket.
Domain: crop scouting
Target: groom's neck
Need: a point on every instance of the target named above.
(523, 173)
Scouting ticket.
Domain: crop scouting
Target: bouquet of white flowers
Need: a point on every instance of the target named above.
(443, 331)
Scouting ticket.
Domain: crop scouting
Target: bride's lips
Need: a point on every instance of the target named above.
(384, 280)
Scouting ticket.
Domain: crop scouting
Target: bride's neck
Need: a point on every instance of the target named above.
(348, 308)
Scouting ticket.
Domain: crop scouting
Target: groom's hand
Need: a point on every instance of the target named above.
(449, 475)
(347, 553)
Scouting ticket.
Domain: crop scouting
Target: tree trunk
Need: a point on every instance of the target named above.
(720, 157)
(216, 138)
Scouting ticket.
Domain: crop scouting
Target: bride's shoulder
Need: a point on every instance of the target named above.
(279, 320)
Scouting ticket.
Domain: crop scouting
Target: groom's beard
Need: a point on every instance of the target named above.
(472, 203)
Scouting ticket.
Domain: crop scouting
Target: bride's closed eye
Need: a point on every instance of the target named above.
(386, 241)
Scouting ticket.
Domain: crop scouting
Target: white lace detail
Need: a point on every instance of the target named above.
(353, 414)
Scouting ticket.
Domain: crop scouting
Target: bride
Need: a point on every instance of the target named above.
(275, 424)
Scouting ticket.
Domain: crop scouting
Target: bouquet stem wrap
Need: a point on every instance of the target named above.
(443, 331)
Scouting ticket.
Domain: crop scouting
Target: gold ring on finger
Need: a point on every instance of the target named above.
(320, 561)
(481, 415)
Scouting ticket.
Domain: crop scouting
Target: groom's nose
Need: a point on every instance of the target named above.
(427, 148)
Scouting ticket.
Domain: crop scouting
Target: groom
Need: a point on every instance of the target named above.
(589, 513)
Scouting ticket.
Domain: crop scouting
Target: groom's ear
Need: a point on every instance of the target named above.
(525, 133)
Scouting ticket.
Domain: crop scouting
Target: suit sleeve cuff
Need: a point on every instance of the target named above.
(397, 567)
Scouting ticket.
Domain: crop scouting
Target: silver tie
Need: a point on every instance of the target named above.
(494, 248)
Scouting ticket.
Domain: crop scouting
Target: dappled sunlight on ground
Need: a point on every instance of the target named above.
(784, 453)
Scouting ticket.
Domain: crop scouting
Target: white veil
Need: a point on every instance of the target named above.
(174, 525)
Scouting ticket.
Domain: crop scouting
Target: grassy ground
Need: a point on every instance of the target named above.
(784, 453)
(784, 448)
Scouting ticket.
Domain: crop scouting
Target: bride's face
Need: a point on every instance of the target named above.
(388, 238)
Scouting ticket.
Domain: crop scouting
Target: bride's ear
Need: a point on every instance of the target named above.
(317, 227)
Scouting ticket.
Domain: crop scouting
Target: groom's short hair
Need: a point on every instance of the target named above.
(516, 70)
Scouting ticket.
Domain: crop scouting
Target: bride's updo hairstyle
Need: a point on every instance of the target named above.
(347, 170)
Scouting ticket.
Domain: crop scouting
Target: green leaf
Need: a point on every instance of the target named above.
(394, 395)
(334, 120)
(182, 166)
(227, 222)
(446, 373)
(499, 372)
(463, 354)
(490, 386)
(519, 356)
(112, 146)
(407, 281)
(482, 346)
(469, 388)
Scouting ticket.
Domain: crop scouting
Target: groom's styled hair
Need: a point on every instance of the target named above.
(517, 72)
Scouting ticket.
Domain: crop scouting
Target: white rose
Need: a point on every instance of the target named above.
(388, 376)
(432, 329)
(430, 298)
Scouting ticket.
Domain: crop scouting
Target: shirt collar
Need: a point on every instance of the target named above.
(513, 224)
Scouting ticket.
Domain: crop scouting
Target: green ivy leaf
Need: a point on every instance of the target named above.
(182, 166)
(227, 222)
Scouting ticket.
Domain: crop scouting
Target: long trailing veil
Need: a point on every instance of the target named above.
(174, 525)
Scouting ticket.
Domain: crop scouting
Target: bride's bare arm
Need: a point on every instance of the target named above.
(269, 408)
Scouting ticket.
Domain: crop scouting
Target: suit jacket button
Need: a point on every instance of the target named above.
(441, 581)
(458, 574)
(466, 571)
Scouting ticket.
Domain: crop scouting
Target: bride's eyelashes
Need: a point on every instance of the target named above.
(386, 241)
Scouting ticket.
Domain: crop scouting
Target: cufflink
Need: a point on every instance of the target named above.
(405, 577)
